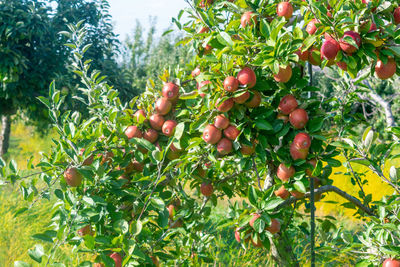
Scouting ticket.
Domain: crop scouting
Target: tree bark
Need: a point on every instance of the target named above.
(5, 134)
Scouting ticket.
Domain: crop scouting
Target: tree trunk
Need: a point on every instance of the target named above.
(5, 134)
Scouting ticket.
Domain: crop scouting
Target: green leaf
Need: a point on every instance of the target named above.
(264, 125)
(36, 253)
(121, 226)
(136, 228)
(179, 130)
(21, 264)
(272, 203)
(299, 186)
(227, 38)
(252, 196)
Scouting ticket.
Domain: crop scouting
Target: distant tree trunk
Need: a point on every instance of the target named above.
(5, 134)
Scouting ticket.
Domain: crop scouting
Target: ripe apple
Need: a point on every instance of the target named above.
(163, 106)
(311, 27)
(287, 104)
(231, 132)
(140, 115)
(73, 177)
(205, 3)
(137, 166)
(396, 15)
(302, 140)
(275, 226)
(203, 29)
(255, 101)
(342, 65)
(284, 74)
(206, 189)
(242, 98)
(247, 150)
(284, 9)
(283, 117)
(171, 210)
(150, 135)
(211, 134)
(157, 121)
(170, 91)
(284, 173)
(385, 71)
(117, 259)
(258, 244)
(168, 127)
(196, 72)
(226, 105)
(224, 146)
(237, 235)
(330, 49)
(133, 131)
(282, 192)
(201, 85)
(248, 19)
(298, 118)
(391, 263)
(221, 122)
(89, 160)
(303, 56)
(298, 153)
(348, 48)
(87, 230)
(297, 194)
(207, 49)
(247, 77)
(231, 84)
(254, 218)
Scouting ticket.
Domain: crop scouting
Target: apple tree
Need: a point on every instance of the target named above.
(136, 182)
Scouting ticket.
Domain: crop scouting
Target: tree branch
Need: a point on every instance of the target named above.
(330, 188)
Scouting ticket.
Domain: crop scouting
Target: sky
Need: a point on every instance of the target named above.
(125, 13)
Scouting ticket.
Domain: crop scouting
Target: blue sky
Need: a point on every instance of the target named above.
(125, 13)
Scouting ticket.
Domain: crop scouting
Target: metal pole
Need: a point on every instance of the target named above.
(312, 195)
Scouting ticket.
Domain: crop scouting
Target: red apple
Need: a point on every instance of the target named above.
(275, 226)
(211, 134)
(396, 15)
(348, 48)
(287, 104)
(72, 177)
(247, 150)
(133, 131)
(163, 106)
(231, 84)
(117, 259)
(284, 173)
(254, 218)
(284, 74)
(206, 189)
(224, 146)
(391, 263)
(170, 91)
(242, 98)
(168, 127)
(330, 49)
(282, 192)
(248, 19)
(298, 118)
(298, 153)
(150, 135)
(247, 77)
(221, 122)
(255, 101)
(157, 121)
(140, 115)
(385, 71)
(303, 56)
(284, 9)
(302, 141)
(311, 27)
(226, 105)
(196, 72)
(231, 132)
(342, 65)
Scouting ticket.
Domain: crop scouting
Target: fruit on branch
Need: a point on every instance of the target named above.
(283, 117)
(170, 91)
(396, 15)
(342, 65)
(117, 259)
(287, 104)
(298, 118)
(284, 74)
(231, 84)
(175, 224)
(196, 72)
(282, 192)
(224, 146)
(232, 132)
(89, 160)
(206, 189)
(98, 264)
(247, 150)
(242, 98)
(140, 115)
(150, 135)
(72, 177)
(168, 127)
(205, 3)
(284, 173)
(302, 140)
(237, 235)
(226, 105)
(221, 122)
(391, 263)
(174, 148)
(247, 77)
(106, 157)
(298, 153)
(133, 131)
(303, 56)
(248, 19)
(87, 230)
(163, 106)
(207, 49)
(155, 261)
(171, 210)
(257, 244)
(211, 135)
(330, 49)
(253, 219)
(284, 9)
(313, 163)
(275, 226)
(314, 57)
(368, 26)
(385, 71)
(157, 121)
(203, 29)
(348, 48)
(311, 27)
(137, 166)
(297, 194)
(255, 101)
(200, 172)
